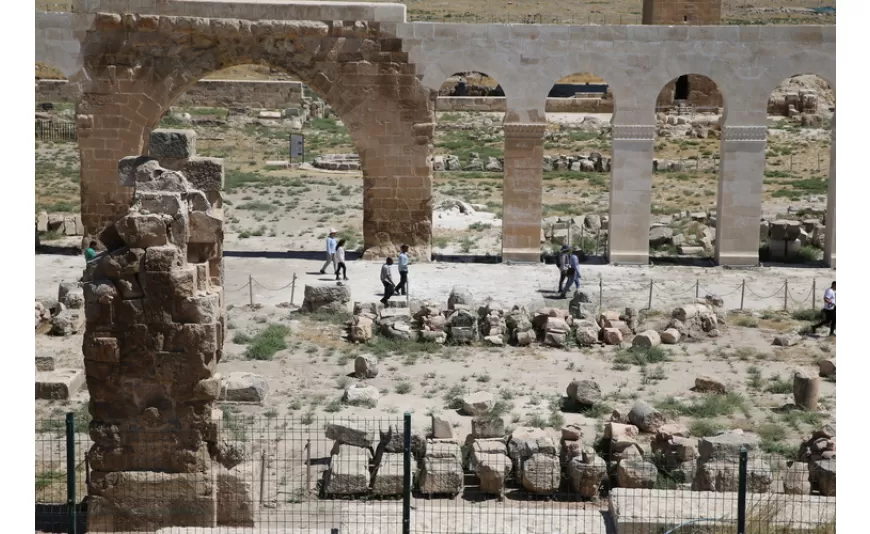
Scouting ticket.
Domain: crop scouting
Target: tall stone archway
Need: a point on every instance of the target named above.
(135, 66)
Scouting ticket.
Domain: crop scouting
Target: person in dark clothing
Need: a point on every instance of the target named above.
(387, 280)
(91, 251)
(829, 310)
(562, 262)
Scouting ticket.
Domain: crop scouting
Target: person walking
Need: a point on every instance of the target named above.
(562, 263)
(387, 280)
(331, 245)
(573, 272)
(829, 310)
(402, 288)
(340, 267)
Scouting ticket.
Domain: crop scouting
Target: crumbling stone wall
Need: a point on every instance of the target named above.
(155, 325)
(136, 66)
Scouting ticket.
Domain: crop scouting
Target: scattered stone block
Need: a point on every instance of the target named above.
(172, 144)
(441, 476)
(805, 388)
(478, 403)
(60, 384)
(541, 473)
(612, 336)
(671, 336)
(365, 366)
(348, 472)
(828, 368)
(244, 387)
(709, 384)
(350, 433)
(45, 363)
(492, 470)
(586, 393)
(236, 500)
(326, 298)
(586, 473)
(796, 480)
(67, 323)
(361, 395)
(647, 339)
(441, 428)
(645, 417)
(485, 427)
(787, 340)
(727, 445)
(389, 475)
(636, 473)
(824, 474)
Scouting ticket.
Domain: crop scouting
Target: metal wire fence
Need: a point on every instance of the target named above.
(379, 475)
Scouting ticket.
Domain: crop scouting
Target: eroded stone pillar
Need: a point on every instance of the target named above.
(831, 213)
(523, 178)
(630, 194)
(155, 325)
(738, 208)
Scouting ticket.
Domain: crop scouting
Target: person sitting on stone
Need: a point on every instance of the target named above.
(91, 251)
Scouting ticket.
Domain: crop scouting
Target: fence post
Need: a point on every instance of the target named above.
(697, 288)
(251, 290)
(406, 479)
(71, 472)
(600, 293)
(742, 292)
(814, 294)
(741, 494)
(293, 289)
(785, 298)
(649, 307)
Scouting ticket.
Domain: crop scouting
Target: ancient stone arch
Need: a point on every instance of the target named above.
(135, 66)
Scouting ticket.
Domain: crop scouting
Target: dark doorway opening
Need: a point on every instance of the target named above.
(681, 91)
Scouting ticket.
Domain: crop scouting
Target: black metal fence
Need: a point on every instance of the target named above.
(379, 475)
(56, 131)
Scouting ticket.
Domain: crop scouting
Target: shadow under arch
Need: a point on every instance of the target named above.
(468, 222)
(373, 90)
(698, 91)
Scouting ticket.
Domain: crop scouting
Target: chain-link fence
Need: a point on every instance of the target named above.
(377, 475)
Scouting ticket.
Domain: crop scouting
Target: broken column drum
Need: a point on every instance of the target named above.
(155, 325)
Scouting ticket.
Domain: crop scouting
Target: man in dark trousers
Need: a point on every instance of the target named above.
(387, 280)
(562, 263)
(829, 310)
(402, 288)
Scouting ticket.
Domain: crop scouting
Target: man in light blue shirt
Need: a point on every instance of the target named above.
(573, 273)
(331, 245)
(402, 288)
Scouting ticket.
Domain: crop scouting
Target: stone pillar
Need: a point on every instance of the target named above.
(738, 211)
(831, 213)
(155, 325)
(523, 178)
(630, 194)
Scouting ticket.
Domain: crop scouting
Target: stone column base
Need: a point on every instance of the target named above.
(628, 258)
(737, 259)
(520, 255)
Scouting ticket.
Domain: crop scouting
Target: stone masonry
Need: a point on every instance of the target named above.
(155, 325)
(381, 75)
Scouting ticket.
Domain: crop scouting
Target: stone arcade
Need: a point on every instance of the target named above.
(130, 61)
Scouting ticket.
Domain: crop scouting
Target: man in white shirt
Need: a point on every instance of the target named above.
(829, 310)
(387, 280)
(331, 245)
(402, 287)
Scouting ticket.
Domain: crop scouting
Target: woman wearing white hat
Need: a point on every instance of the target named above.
(331, 245)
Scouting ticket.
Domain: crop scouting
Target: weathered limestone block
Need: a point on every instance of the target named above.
(361, 330)
(365, 366)
(670, 336)
(723, 475)
(492, 470)
(805, 387)
(244, 387)
(236, 500)
(441, 428)
(389, 475)
(796, 480)
(326, 298)
(645, 417)
(647, 339)
(828, 367)
(709, 384)
(351, 433)
(45, 363)
(636, 473)
(587, 332)
(461, 327)
(525, 441)
(585, 393)
(482, 447)
(727, 445)
(361, 395)
(441, 476)
(348, 472)
(60, 384)
(172, 144)
(824, 474)
(586, 473)
(541, 473)
(478, 403)
(461, 296)
(205, 174)
(67, 323)
(487, 427)
(117, 503)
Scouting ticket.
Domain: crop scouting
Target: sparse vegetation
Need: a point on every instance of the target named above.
(266, 343)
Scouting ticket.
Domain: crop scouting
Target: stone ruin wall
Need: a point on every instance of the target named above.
(155, 325)
(264, 94)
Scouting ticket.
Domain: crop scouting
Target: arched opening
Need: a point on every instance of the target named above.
(276, 198)
(686, 169)
(468, 165)
(793, 226)
(577, 165)
(57, 194)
